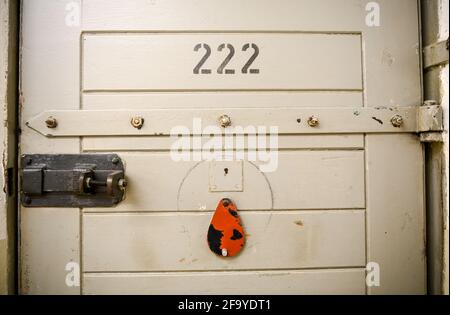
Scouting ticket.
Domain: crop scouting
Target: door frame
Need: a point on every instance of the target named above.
(9, 94)
(9, 78)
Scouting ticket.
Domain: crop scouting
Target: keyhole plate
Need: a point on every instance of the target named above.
(225, 176)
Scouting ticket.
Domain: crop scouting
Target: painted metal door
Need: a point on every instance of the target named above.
(325, 168)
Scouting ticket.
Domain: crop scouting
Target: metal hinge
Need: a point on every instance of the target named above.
(430, 122)
(72, 180)
(435, 54)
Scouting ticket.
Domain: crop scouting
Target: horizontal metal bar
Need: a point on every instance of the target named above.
(68, 123)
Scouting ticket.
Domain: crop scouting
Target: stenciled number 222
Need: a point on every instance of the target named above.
(222, 67)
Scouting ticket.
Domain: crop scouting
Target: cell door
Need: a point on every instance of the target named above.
(300, 113)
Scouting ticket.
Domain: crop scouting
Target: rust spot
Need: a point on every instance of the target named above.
(299, 222)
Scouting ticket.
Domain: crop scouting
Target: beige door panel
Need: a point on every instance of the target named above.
(232, 99)
(393, 67)
(49, 242)
(337, 281)
(346, 192)
(140, 67)
(162, 144)
(166, 242)
(319, 180)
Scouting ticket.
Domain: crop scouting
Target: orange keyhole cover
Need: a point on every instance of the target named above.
(226, 235)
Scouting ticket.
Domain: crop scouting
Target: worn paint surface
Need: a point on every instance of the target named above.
(435, 21)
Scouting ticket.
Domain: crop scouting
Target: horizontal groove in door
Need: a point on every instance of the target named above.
(233, 16)
(168, 242)
(105, 211)
(164, 143)
(325, 281)
(108, 100)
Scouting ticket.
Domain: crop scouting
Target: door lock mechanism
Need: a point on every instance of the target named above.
(72, 180)
(114, 181)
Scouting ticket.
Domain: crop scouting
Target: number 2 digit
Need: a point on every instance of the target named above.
(202, 61)
(246, 67)
(227, 59)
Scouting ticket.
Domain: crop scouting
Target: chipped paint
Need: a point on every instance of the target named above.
(378, 120)
(226, 236)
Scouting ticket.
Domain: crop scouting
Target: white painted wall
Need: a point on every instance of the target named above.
(443, 35)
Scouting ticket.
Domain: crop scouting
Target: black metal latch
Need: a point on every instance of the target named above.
(72, 180)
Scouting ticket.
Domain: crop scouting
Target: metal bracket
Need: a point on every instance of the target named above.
(72, 180)
(435, 54)
(430, 122)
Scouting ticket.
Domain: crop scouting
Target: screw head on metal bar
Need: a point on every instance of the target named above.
(225, 121)
(397, 121)
(137, 122)
(51, 122)
(313, 121)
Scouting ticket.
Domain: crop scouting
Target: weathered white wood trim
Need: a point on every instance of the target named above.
(8, 100)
